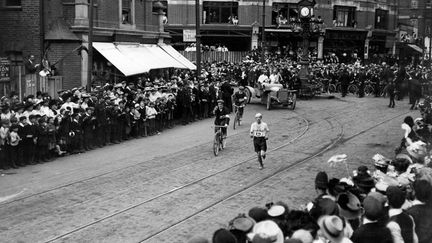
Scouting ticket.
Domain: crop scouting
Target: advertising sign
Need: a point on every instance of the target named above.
(4, 69)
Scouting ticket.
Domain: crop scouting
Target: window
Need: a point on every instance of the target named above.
(381, 19)
(344, 16)
(220, 12)
(414, 3)
(428, 3)
(284, 13)
(127, 12)
(11, 4)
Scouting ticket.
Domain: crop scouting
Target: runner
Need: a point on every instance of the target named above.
(259, 132)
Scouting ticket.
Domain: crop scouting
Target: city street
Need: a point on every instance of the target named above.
(169, 187)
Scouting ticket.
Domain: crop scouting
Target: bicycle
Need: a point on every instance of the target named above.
(237, 116)
(219, 141)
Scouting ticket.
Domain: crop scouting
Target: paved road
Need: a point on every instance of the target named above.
(169, 187)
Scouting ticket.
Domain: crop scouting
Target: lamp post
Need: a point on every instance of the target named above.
(305, 10)
(198, 37)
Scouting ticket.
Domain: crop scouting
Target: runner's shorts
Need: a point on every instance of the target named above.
(260, 144)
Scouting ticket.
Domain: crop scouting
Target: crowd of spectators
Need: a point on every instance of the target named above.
(388, 200)
(40, 128)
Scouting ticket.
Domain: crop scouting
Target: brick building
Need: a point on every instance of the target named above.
(362, 26)
(414, 25)
(57, 30)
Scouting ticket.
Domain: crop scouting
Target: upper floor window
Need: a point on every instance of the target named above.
(284, 13)
(428, 3)
(220, 12)
(11, 4)
(127, 12)
(414, 3)
(344, 16)
(381, 19)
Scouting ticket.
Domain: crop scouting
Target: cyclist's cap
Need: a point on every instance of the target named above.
(241, 88)
(258, 115)
(220, 101)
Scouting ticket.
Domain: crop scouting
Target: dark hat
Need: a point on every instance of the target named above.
(323, 206)
(223, 236)
(321, 180)
(373, 208)
(395, 196)
(258, 214)
(349, 205)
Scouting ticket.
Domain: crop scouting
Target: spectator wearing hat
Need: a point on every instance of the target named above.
(266, 231)
(258, 214)
(350, 211)
(223, 236)
(89, 124)
(204, 96)
(332, 228)
(372, 229)
(4, 153)
(42, 141)
(240, 226)
(321, 184)
(363, 180)
(151, 116)
(76, 134)
(401, 224)
(421, 211)
(30, 140)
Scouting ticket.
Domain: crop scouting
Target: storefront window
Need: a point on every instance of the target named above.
(344, 16)
(284, 13)
(220, 12)
(381, 19)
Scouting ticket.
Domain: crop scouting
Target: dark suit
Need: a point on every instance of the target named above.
(372, 232)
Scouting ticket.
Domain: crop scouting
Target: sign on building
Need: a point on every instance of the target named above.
(4, 69)
(189, 35)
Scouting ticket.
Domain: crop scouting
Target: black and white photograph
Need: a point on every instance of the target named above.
(216, 121)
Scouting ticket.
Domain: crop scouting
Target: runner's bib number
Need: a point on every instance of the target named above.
(259, 134)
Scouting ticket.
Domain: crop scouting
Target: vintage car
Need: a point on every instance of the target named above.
(272, 94)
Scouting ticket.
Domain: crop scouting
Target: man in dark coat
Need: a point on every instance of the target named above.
(89, 128)
(373, 229)
(227, 92)
(29, 138)
(344, 79)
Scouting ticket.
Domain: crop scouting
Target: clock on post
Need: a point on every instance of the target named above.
(306, 8)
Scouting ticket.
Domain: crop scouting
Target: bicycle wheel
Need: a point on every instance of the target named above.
(216, 144)
(332, 88)
(352, 89)
(339, 88)
(369, 90)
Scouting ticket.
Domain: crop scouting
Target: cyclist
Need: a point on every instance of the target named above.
(259, 132)
(221, 117)
(240, 99)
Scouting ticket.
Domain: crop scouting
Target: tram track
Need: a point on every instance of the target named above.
(305, 129)
(129, 167)
(335, 142)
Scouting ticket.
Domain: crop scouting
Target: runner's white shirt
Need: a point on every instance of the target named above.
(259, 130)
